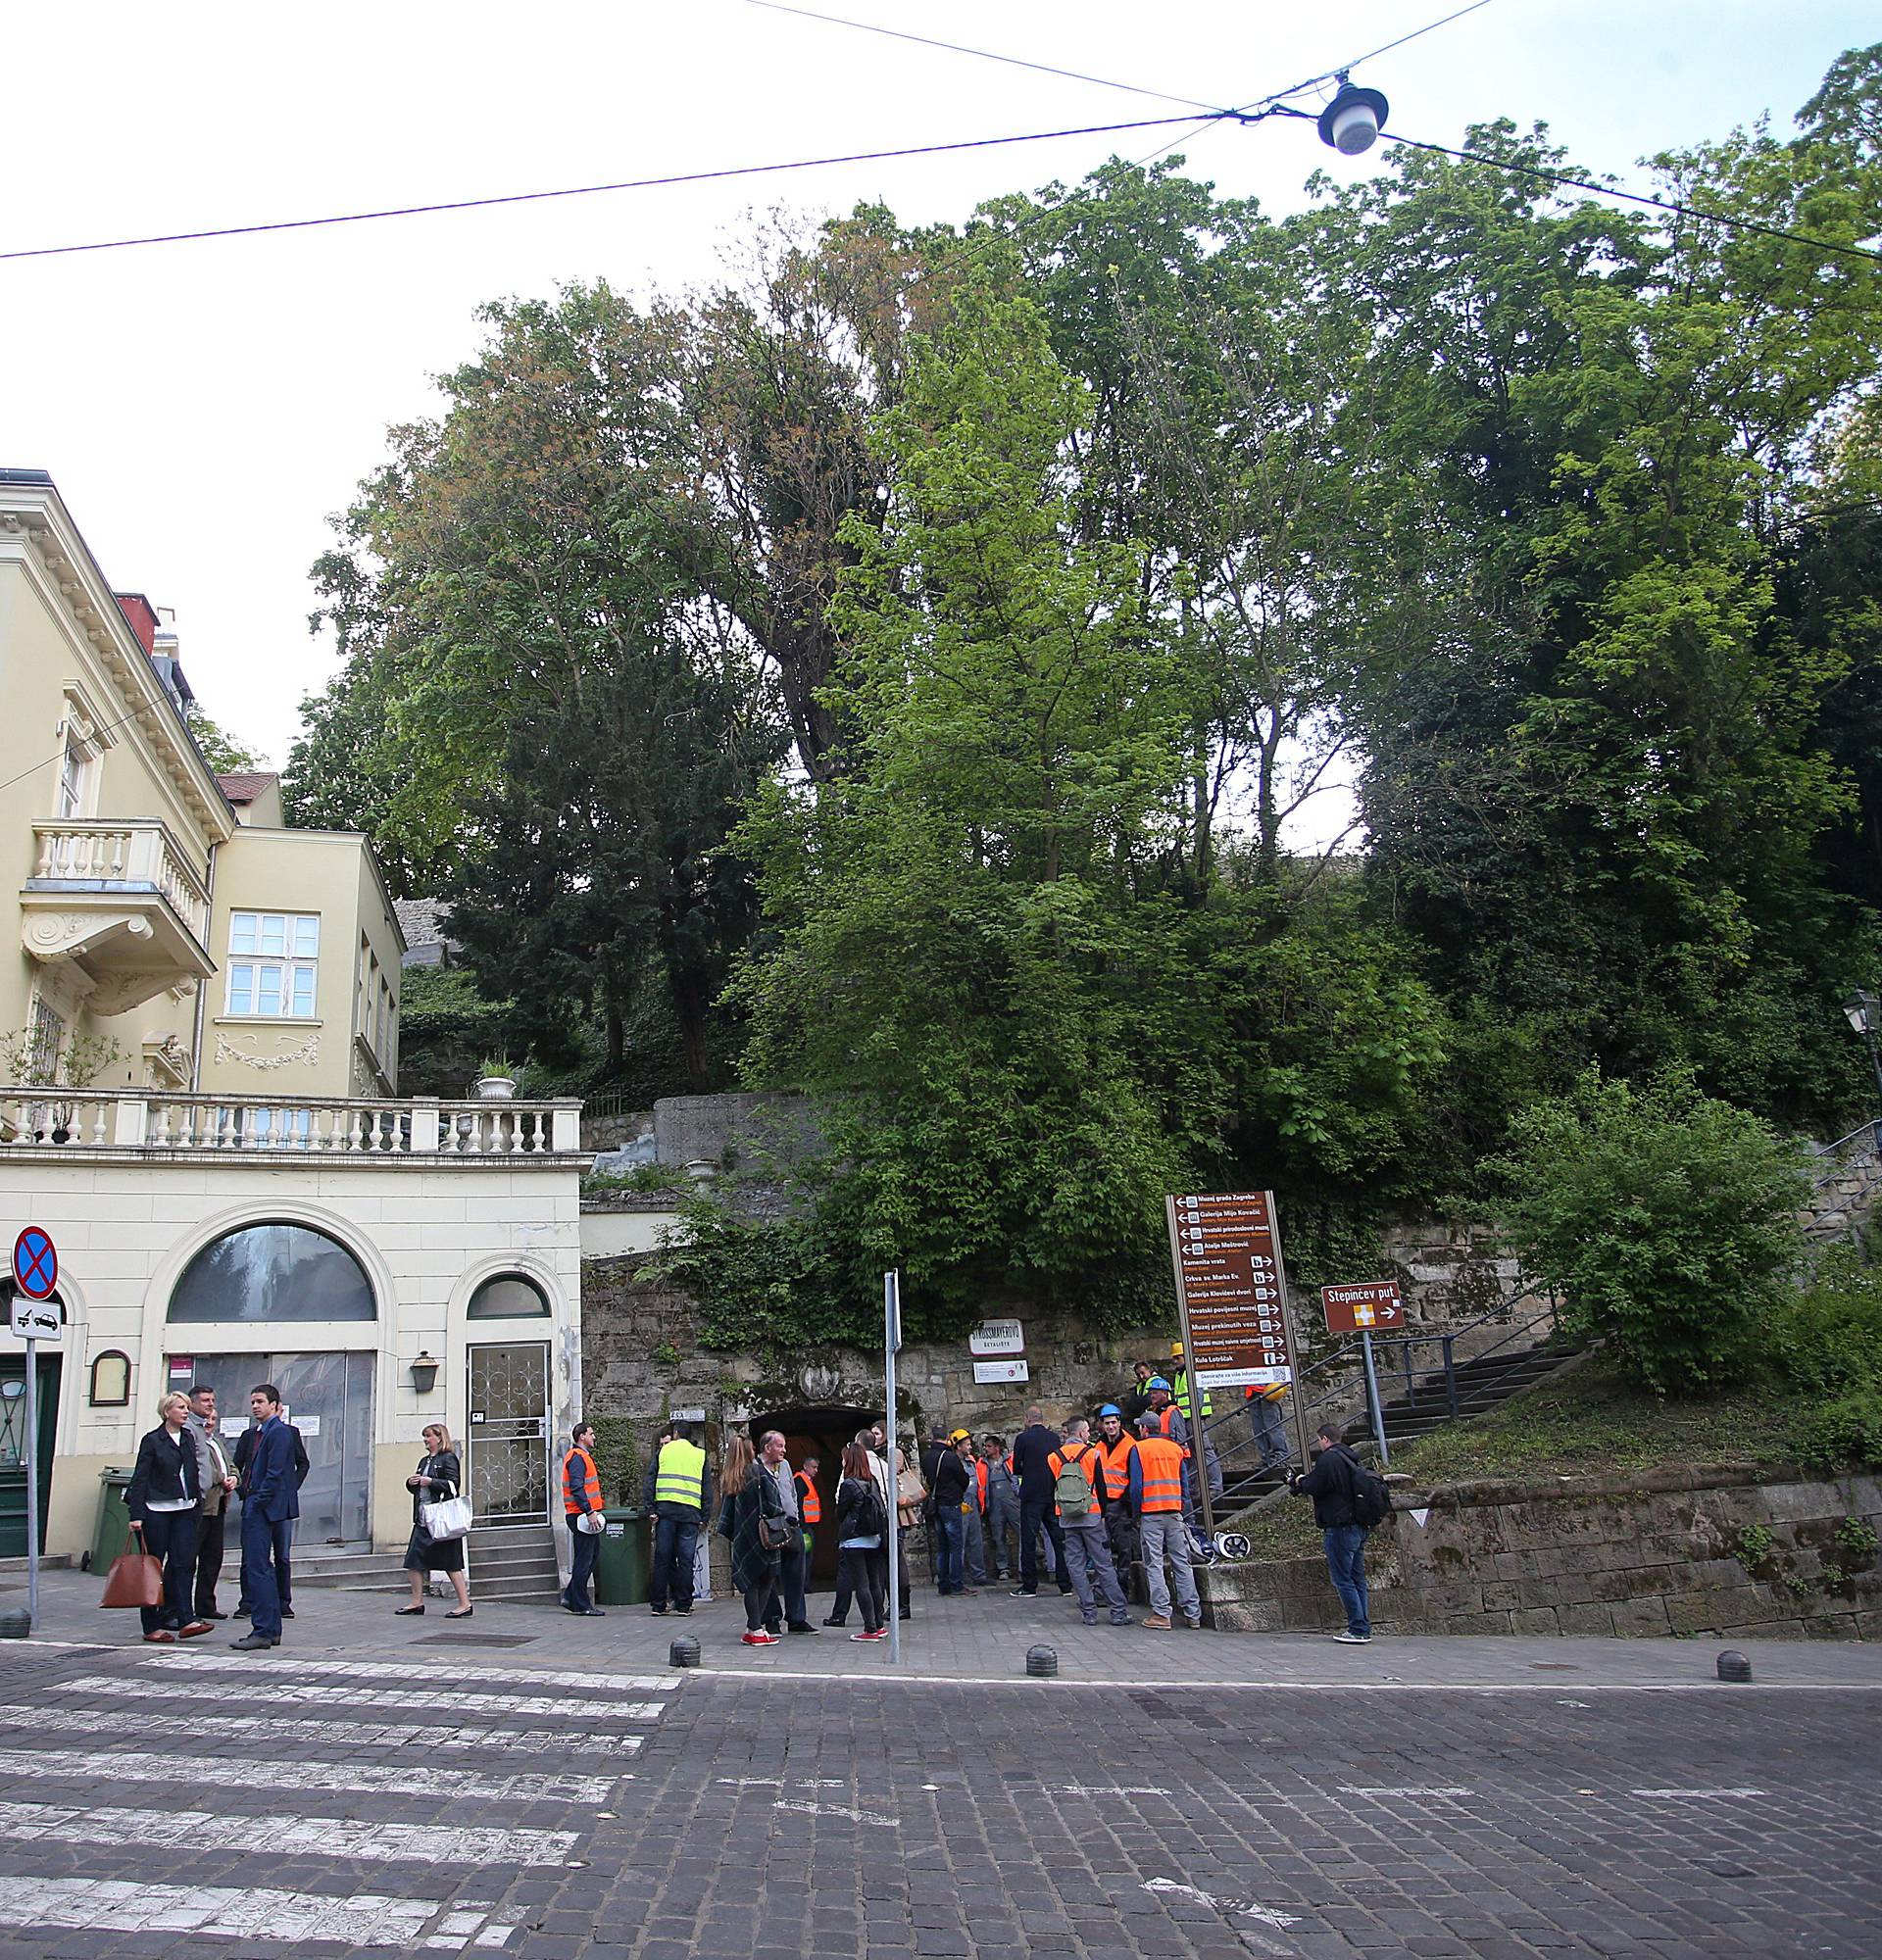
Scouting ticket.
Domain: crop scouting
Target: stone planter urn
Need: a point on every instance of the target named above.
(496, 1087)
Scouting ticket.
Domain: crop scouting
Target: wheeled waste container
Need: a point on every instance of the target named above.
(625, 1557)
(114, 1519)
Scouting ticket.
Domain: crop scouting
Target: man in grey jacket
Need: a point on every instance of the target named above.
(216, 1479)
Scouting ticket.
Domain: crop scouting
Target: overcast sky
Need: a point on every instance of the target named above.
(203, 407)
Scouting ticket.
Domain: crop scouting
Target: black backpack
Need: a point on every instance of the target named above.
(1372, 1498)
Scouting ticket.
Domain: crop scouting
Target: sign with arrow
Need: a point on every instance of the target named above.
(1367, 1304)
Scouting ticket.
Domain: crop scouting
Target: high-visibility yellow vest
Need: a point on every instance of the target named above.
(1179, 1390)
(680, 1478)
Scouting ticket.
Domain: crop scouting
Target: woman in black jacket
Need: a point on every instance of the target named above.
(436, 1479)
(162, 1499)
(748, 1493)
(861, 1518)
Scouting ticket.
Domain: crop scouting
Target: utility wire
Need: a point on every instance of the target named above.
(1678, 210)
(591, 190)
(983, 54)
(1431, 26)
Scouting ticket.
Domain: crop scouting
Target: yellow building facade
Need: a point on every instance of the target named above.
(199, 1011)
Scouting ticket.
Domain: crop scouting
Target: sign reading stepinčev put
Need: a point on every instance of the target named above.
(1226, 1250)
(1365, 1303)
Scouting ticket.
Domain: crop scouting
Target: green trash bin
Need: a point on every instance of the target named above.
(624, 1558)
(114, 1520)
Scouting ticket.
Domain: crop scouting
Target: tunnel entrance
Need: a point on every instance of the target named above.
(819, 1432)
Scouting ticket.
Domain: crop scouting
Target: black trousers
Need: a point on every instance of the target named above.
(1034, 1512)
(172, 1536)
(210, 1531)
(856, 1573)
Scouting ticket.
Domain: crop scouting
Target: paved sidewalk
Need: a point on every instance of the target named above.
(984, 1639)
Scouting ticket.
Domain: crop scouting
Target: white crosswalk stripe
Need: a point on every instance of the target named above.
(123, 1905)
(292, 1729)
(93, 1763)
(134, 1766)
(285, 1836)
(413, 1699)
(518, 1679)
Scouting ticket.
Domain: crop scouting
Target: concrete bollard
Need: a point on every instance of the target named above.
(1042, 1662)
(684, 1652)
(1733, 1666)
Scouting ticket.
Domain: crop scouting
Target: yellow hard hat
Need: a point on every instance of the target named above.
(1175, 1351)
(961, 1435)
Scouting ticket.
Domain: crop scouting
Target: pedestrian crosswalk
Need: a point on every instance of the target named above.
(113, 1790)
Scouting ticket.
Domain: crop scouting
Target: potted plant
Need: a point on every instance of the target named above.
(496, 1079)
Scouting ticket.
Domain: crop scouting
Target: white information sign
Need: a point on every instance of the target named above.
(36, 1319)
(1001, 1371)
(998, 1337)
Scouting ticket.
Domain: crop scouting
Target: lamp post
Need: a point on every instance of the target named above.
(1864, 1014)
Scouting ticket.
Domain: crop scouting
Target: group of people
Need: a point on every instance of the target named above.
(179, 1495)
(187, 1481)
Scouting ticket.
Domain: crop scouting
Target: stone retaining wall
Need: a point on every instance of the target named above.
(1769, 1554)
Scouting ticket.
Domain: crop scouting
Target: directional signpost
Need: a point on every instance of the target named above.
(1231, 1294)
(1357, 1309)
(33, 1316)
(891, 1347)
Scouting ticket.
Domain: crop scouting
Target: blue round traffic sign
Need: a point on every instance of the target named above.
(35, 1263)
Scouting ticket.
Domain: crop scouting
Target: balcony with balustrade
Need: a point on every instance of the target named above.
(118, 898)
(144, 1126)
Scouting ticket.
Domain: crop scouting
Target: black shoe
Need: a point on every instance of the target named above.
(907, 1614)
(682, 1611)
(659, 1611)
(1022, 1593)
(287, 1612)
(802, 1627)
(593, 1613)
(240, 1613)
(253, 1644)
(201, 1615)
(835, 1622)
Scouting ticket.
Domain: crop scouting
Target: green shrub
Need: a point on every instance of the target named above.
(1667, 1219)
(1828, 1337)
(1843, 1432)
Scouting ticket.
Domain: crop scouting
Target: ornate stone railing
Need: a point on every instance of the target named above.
(83, 1120)
(125, 854)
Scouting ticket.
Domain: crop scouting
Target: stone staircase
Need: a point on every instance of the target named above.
(508, 1562)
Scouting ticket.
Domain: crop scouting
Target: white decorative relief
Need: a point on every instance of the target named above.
(308, 1051)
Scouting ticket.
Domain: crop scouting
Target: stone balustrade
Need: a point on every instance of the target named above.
(124, 854)
(73, 1121)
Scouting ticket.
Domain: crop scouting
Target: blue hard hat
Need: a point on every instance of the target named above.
(1111, 1408)
(1157, 1382)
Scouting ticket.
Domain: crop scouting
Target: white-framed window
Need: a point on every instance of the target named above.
(74, 774)
(274, 964)
(48, 1038)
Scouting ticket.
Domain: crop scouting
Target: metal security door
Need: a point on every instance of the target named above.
(16, 1451)
(507, 1433)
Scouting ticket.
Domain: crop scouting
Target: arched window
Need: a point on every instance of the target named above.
(508, 1297)
(110, 1379)
(274, 1272)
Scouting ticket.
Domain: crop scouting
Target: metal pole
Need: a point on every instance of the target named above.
(1372, 1398)
(1294, 1393)
(33, 1485)
(891, 1340)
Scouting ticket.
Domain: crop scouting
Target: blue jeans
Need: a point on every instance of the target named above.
(675, 1541)
(1345, 1563)
(266, 1549)
(950, 1535)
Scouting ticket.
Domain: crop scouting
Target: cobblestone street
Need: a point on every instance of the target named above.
(433, 1795)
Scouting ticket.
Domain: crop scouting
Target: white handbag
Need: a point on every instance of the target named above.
(447, 1520)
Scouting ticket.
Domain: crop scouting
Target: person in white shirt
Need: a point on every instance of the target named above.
(216, 1479)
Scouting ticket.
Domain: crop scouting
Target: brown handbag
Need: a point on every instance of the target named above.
(136, 1577)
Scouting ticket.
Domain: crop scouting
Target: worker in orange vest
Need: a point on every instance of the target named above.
(809, 1506)
(1157, 1498)
(1117, 1449)
(1078, 1481)
(582, 1510)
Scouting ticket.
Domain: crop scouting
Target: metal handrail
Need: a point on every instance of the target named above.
(1872, 1129)
(1339, 1392)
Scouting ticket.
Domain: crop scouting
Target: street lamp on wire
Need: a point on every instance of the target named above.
(1864, 1014)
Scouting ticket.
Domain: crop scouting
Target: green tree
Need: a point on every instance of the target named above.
(1666, 1218)
(225, 754)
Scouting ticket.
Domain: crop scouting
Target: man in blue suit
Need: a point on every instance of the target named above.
(270, 1502)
